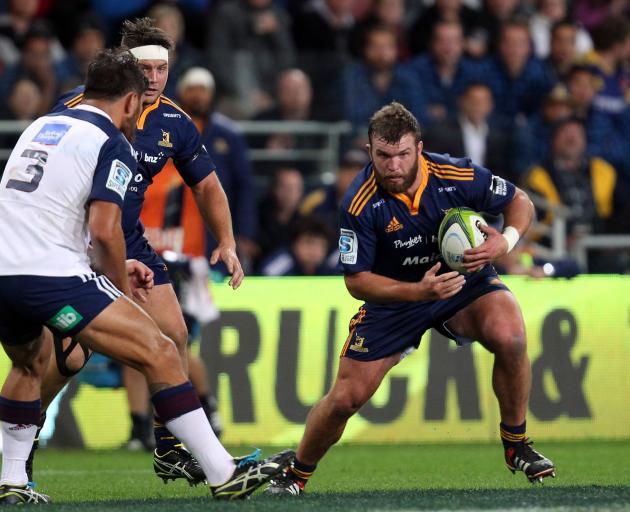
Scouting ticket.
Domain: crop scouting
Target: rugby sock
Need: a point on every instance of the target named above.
(209, 406)
(19, 421)
(302, 472)
(179, 408)
(512, 435)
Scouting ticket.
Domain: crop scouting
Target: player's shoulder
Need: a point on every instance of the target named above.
(171, 110)
(69, 99)
(362, 191)
(446, 167)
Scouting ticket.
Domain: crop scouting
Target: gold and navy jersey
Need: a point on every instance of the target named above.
(395, 236)
(163, 131)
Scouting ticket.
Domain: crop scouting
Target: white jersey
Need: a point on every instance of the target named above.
(60, 163)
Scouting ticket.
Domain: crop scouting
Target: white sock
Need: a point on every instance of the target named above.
(195, 432)
(17, 441)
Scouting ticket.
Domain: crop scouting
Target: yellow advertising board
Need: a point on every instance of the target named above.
(274, 353)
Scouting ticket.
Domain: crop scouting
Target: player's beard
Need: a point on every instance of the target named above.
(128, 129)
(398, 188)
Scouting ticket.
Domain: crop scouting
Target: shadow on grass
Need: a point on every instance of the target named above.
(576, 497)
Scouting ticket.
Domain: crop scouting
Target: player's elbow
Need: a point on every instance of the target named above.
(353, 285)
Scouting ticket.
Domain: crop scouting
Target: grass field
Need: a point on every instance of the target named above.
(590, 476)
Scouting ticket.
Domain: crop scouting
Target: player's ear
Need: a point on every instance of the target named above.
(130, 103)
(368, 148)
(420, 146)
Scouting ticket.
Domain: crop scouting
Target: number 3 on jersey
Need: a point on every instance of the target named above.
(35, 169)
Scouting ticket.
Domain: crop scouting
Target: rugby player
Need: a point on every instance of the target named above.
(389, 252)
(163, 131)
(64, 184)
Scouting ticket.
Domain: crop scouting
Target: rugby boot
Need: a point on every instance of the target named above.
(250, 473)
(286, 484)
(21, 495)
(177, 463)
(522, 457)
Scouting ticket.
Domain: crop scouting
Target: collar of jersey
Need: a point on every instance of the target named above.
(414, 206)
(93, 109)
(146, 112)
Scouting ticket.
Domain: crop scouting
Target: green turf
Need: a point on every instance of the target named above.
(591, 476)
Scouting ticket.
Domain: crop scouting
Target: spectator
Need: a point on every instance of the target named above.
(15, 25)
(322, 31)
(183, 56)
(536, 142)
(517, 78)
(325, 201)
(293, 102)
(445, 11)
(610, 38)
(306, 253)
(228, 150)
(604, 139)
(37, 64)
(474, 133)
(377, 79)
(391, 13)
(549, 13)
(23, 102)
(563, 51)
(444, 72)
(592, 12)
(493, 16)
(88, 40)
(279, 210)
(249, 44)
(585, 184)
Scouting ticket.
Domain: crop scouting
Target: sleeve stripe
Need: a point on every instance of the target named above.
(451, 168)
(359, 195)
(73, 102)
(360, 207)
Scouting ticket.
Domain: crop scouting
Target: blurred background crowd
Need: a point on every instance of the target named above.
(538, 91)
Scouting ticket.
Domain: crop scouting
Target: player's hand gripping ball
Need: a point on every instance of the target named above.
(458, 232)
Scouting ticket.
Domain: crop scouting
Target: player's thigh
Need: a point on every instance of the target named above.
(357, 381)
(124, 332)
(163, 307)
(494, 319)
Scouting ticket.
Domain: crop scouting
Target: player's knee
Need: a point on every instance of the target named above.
(344, 404)
(163, 353)
(28, 359)
(179, 335)
(510, 342)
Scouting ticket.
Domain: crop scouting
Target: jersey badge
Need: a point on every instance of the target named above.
(393, 225)
(166, 140)
(51, 133)
(348, 246)
(66, 318)
(119, 177)
(357, 346)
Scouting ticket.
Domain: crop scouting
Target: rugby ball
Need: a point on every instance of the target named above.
(458, 232)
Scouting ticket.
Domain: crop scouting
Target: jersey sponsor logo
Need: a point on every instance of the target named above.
(378, 203)
(65, 319)
(393, 225)
(408, 244)
(51, 133)
(498, 186)
(348, 246)
(119, 177)
(166, 114)
(150, 159)
(137, 178)
(418, 260)
(166, 140)
(447, 189)
(357, 346)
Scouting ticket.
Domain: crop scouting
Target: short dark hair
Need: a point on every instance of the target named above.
(610, 31)
(474, 84)
(392, 122)
(580, 68)
(112, 74)
(559, 125)
(142, 32)
(310, 225)
(566, 22)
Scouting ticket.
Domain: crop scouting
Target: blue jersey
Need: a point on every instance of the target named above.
(396, 237)
(163, 131)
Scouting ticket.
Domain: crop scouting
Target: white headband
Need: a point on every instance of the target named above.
(150, 52)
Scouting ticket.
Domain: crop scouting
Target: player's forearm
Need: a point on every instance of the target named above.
(375, 288)
(215, 210)
(109, 252)
(519, 213)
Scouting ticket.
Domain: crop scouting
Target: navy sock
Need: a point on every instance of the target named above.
(302, 471)
(512, 436)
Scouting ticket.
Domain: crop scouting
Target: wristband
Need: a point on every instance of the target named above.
(512, 237)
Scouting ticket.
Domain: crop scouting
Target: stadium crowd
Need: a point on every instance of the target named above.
(536, 90)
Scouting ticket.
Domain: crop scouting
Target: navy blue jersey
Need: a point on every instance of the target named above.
(163, 131)
(396, 237)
